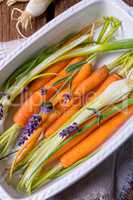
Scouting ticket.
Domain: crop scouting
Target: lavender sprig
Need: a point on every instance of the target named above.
(32, 124)
(67, 97)
(25, 90)
(67, 131)
(43, 91)
(46, 107)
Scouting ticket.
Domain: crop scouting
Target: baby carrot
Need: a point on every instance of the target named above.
(83, 74)
(40, 82)
(97, 138)
(92, 81)
(29, 107)
(110, 79)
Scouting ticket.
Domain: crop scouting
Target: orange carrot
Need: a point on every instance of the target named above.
(92, 81)
(97, 138)
(30, 106)
(83, 74)
(55, 68)
(112, 78)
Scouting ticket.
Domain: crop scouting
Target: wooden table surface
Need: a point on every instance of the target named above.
(7, 26)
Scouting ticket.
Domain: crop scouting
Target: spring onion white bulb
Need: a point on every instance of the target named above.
(33, 9)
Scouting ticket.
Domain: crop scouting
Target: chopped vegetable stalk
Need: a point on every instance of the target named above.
(128, 67)
(109, 21)
(111, 95)
(97, 48)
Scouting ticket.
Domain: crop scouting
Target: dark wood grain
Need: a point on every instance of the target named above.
(7, 27)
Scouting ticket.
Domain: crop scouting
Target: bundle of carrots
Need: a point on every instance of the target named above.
(69, 104)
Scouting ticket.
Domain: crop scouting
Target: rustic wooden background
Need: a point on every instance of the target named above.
(7, 27)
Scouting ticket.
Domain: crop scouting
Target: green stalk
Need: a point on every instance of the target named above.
(46, 177)
(31, 156)
(114, 92)
(97, 48)
(120, 61)
(64, 171)
(109, 21)
(8, 139)
(104, 29)
(36, 60)
(127, 67)
(115, 26)
(56, 172)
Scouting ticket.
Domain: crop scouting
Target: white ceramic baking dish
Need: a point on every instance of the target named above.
(70, 21)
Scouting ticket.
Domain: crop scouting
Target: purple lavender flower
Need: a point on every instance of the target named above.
(25, 90)
(46, 107)
(67, 97)
(1, 111)
(32, 124)
(43, 91)
(67, 131)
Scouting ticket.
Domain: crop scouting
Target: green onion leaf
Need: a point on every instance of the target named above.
(75, 66)
(60, 81)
